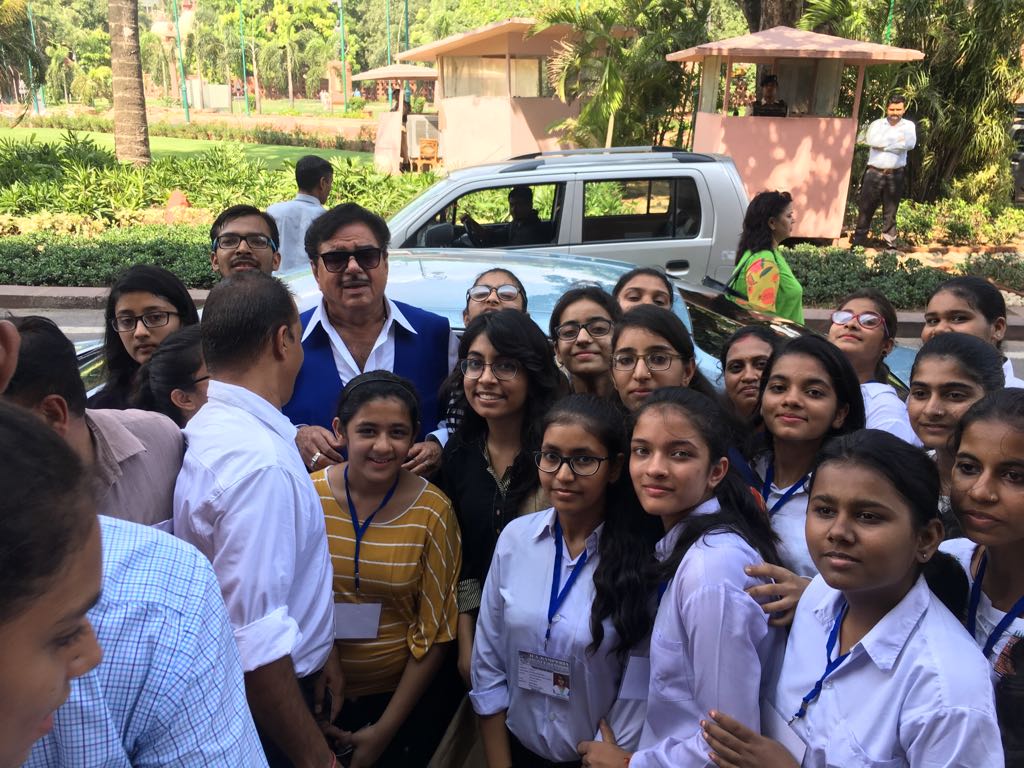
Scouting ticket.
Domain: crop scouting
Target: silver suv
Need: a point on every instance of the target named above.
(655, 206)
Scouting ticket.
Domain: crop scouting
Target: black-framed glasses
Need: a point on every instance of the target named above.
(655, 361)
(596, 328)
(337, 261)
(156, 319)
(201, 378)
(867, 320)
(551, 462)
(231, 241)
(503, 370)
(482, 292)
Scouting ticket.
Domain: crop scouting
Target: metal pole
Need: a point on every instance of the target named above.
(408, 88)
(344, 66)
(245, 74)
(181, 63)
(387, 26)
(31, 78)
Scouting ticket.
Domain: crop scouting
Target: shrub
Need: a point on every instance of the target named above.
(1004, 269)
(916, 222)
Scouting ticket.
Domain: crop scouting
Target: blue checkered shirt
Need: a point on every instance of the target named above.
(169, 690)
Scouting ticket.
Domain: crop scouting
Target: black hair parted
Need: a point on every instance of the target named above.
(1004, 406)
(238, 211)
(510, 275)
(594, 293)
(621, 583)
(980, 295)
(757, 235)
(762, 332)
(378, 385)
(46, 507)
(172, 366)
(625, 280)
(327, 224)
(309, 169)
(241, 316)
(142, 278)
(978, 360)
(667, 324)
(47, 365)
(740, 511)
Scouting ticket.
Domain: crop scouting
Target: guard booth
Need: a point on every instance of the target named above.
(809, 152)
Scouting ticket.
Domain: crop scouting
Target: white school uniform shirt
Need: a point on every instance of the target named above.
(293, 218)
(885, 411)
(245, 500)
(788, 522)
(914, 692)
(514, 617)
(988, 615)
(1012, 382)
(710, 644)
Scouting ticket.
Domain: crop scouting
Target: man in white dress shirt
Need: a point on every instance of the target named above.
(889, 139)
(314, 177)
(245, 500)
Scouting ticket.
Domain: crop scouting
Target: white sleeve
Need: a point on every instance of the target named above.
(453, 351)
(254, 549)
(888, 413)
(909, 135)
(876, 135)
(489, 667)
(953, 737)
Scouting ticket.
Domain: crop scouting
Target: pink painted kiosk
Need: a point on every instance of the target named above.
(809, 152)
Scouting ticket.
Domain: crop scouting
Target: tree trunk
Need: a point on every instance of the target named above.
(611, 130)
(776, 13)
(131, 132)
(291, 87)
(256, 78)
(752, 13)
(231, 91)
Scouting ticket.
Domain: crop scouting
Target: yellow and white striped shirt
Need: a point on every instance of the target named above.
(410, 564)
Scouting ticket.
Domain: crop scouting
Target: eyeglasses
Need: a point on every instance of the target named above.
(201, 378)
(571, 330)
(583, 466)
(257, 242)
(483, 292)
(126, 323)
(867, 320)
(655, 361)
(503, 370)
(366, 258)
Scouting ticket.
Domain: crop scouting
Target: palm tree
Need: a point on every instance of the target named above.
(131, 132)
(16, 49)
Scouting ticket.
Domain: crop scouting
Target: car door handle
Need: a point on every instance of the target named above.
(677, 266)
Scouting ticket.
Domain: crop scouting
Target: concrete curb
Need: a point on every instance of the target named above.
(51, 297)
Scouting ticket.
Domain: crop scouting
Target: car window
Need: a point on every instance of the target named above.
(640, 209)
(496, 220)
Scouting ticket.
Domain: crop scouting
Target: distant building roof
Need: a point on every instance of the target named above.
(398, 72)
(518, 26)
(789, 43)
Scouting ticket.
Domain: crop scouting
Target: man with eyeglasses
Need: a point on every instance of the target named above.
(357, 328)
(243, 238)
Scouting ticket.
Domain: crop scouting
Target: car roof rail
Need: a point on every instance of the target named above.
(535, 160)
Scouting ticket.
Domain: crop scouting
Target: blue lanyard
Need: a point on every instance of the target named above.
(972, 610)
(360, 530)
(831, 665)
(557, 598)
(766, 489)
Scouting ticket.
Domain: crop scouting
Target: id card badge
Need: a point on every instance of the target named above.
(356, 621)
(636, 682)
(544, 674)
(774, 726)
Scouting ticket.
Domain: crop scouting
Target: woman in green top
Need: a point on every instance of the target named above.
(762, 277)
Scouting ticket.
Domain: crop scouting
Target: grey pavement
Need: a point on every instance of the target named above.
(87, 324)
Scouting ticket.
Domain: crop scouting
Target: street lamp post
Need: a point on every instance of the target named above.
(181, 62)
(31, 77)
(245, 74)
(408, 89)
(387, 27)
(344, 67)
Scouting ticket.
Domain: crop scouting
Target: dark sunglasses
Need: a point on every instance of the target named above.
(366, 258)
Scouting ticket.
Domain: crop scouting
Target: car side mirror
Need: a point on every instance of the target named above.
(438, 235)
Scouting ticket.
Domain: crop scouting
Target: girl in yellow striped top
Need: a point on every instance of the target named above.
(396, 552)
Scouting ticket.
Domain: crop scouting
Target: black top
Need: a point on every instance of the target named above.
(774, 109)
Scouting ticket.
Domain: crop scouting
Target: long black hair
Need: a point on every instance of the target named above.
(978, 360)
(757, 235)
(627, 540)
(172, 366)
(914, 476)
(665, 323)
(515, 336)
(142, 278)
(740, 511)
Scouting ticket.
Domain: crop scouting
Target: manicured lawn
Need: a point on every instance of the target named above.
(274, 156)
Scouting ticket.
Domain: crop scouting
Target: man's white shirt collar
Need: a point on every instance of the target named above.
(319, 317)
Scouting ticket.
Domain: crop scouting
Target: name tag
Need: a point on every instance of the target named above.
(356, 621)
(636, 682)
(544, 674)
(774, 726)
